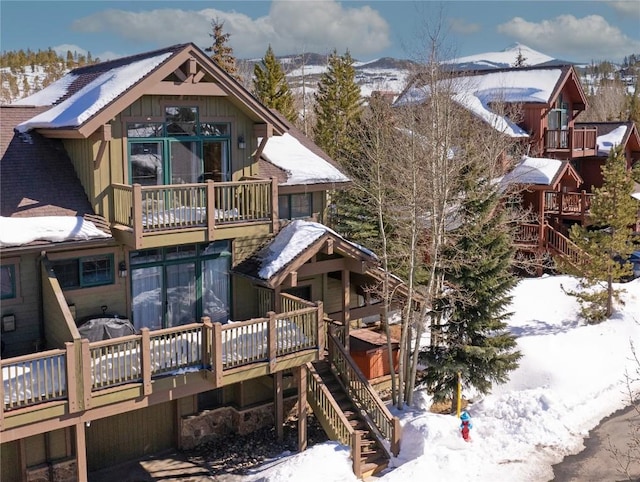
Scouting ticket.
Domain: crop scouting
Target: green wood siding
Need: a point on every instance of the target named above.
(9, 461)
(244, 299)
(130, 435)
(25, 308)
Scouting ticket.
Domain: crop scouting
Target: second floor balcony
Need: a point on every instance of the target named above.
(150, 216)
(575, 142)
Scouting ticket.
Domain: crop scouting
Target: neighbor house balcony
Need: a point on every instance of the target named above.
(574, 142)
(114, 375)
(152, 216)
(571, 205)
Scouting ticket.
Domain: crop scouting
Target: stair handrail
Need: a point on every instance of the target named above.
(564, 245)
(321, 395)
(383, 424)
(339, 425)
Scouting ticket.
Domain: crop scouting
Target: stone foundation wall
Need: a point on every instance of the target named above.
(211, 424)
(59, 471)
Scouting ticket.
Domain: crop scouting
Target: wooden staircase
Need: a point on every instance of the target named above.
(350, 410)
(372, 457)
(561, 245)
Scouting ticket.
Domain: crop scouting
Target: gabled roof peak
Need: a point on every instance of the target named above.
(120, 61)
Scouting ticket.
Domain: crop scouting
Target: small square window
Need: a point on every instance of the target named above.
(67, 273)
(97, 270)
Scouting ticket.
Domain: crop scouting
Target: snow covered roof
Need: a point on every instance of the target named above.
(476, 92)
(21, 231)
(534, 170)
(291, 241)
(89, 100)
(302, 165)
(610, 140)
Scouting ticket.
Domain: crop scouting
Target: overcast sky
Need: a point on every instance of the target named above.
(579, 31)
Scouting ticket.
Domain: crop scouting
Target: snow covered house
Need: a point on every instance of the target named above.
(154, 192)
(563, 157)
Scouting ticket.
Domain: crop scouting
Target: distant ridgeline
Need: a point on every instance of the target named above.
(23, 73)
(26, 72)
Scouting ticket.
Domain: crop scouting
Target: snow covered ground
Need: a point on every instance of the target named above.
(570, 377)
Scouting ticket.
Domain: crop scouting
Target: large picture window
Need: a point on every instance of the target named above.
(179, 150)
(178, 285)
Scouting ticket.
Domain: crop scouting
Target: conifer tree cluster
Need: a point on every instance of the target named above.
(271, 87)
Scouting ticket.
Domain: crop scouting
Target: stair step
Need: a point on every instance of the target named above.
(371, 468)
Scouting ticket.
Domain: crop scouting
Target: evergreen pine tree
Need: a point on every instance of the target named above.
(221, 52)
(520, 60)
(271, 87)
(338, 107)
(607, 242)
(474, 341)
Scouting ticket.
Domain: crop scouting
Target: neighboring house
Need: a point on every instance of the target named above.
(154, 193)
(545, 102)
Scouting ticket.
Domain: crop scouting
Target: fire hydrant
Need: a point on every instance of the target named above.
(466, 426)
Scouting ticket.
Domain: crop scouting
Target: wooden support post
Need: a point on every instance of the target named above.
(272, 341)
(136, 206)
(356, 444)
(278, 405)
(277, 299)
(395, 437)
(216, 354)
(275, 217)
(207, 329)
(321, 330)
(145, 346)
(74, 393)
(85, 366)
(211, 210)
(81, 452)
(346, 302)
(301, 382)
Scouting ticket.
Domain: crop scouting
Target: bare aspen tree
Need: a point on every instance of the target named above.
(416, 157)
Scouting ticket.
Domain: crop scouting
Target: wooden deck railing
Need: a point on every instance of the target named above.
(567, 203)
(527, 234)
(573, 139)
(48, 376)
(35, 378)
(168, 207)
(360, 391)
